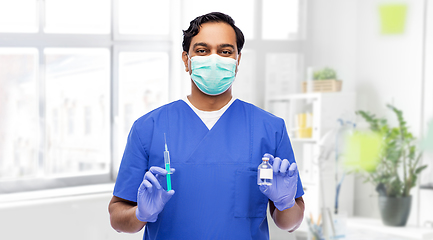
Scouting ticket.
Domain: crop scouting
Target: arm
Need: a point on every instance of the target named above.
(122, 215)
(289, 219)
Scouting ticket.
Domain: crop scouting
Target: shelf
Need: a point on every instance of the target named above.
(314, 95)
(303, 140)
(294, 96)
(358, 228)
(358, 224)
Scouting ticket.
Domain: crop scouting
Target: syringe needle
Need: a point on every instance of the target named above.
(165, 142)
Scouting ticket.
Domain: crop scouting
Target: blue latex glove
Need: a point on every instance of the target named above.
(151, 197)
(285, 180)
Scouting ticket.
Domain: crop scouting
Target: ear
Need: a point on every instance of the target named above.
(185, 60)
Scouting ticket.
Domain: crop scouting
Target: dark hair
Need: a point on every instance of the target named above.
(194, 28)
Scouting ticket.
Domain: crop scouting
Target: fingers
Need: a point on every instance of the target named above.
(152, 179)
(271, 158)
(145, 184)
(276, 165)
(158, 170)
(293, 169)
(171, 192)
(283, 167)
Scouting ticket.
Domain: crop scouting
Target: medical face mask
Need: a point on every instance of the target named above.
(213, 74)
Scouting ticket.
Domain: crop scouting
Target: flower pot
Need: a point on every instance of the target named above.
(395, 210)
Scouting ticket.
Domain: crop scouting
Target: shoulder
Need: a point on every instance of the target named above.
(157, 114)
(262, 115)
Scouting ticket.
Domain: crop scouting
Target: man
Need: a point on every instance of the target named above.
(216, 143)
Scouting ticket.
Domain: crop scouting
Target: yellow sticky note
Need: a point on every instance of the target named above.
(362, 150)
(392, 18)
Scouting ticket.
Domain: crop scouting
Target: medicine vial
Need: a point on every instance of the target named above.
(265, 173)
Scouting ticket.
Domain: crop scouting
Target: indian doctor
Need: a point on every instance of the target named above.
(216, 143)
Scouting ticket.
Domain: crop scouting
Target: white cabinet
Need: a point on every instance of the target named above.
(326, 109)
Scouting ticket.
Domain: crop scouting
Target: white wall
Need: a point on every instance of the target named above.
(79, 217)
(380, 68)
(70, 217)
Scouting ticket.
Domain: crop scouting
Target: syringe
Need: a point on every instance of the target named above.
(167, 164)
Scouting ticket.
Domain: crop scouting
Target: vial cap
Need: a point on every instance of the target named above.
(265, 159)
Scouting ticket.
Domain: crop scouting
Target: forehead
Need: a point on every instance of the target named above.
(214, 34)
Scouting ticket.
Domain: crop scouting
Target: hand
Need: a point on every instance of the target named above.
(285, 180)
(151, 197)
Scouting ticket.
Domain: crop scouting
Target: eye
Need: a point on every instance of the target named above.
(226, 52)
(201, 51)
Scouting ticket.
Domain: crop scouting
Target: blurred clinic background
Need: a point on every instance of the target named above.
(75, 74)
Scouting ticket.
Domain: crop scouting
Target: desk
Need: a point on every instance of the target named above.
(358, 228)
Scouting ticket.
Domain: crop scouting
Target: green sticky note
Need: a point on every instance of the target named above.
(427, 143)
(392, 18)
(362, 150)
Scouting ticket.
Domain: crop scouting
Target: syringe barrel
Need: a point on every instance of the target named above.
(167, 161)
(166, 157)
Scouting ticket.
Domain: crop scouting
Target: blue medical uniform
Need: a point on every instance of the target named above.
(216, 192)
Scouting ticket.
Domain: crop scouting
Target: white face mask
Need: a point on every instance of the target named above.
(213, 74)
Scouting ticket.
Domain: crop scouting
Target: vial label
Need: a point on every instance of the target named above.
(266, 173)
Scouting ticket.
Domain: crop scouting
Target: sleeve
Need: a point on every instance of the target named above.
(285, 151)
(132, 168)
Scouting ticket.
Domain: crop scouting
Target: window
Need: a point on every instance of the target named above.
(19, 16)
(77, 99)
(65, 79)
(62, 16)
(143, 86)
(242, 11)
(280, 19)
(132, 19)
(76, 74)
(19, 108)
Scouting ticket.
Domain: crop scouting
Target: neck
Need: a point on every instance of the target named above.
(206, 102)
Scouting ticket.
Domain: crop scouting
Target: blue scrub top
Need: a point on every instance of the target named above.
(216, 192)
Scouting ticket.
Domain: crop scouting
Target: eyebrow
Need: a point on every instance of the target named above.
(199, 44)
(227, 45)
(206, 45)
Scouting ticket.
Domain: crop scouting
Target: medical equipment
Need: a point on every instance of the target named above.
(213, 74)
(151, 197)
(265, 173)
(285, 182)
(167, 164)
(343, 129)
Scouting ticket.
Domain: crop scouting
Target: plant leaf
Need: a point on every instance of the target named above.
(418, 170)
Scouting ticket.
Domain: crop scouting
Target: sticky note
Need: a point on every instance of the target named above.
(427, 142)
(392, 18)
(362, 150)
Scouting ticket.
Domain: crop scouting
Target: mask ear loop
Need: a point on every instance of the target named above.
(188, 65)
(188, 57)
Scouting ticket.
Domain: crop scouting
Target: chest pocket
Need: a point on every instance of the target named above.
(249, 201)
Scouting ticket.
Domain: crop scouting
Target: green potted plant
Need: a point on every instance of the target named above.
(325, 74)
(397, 170)
(325, 80)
